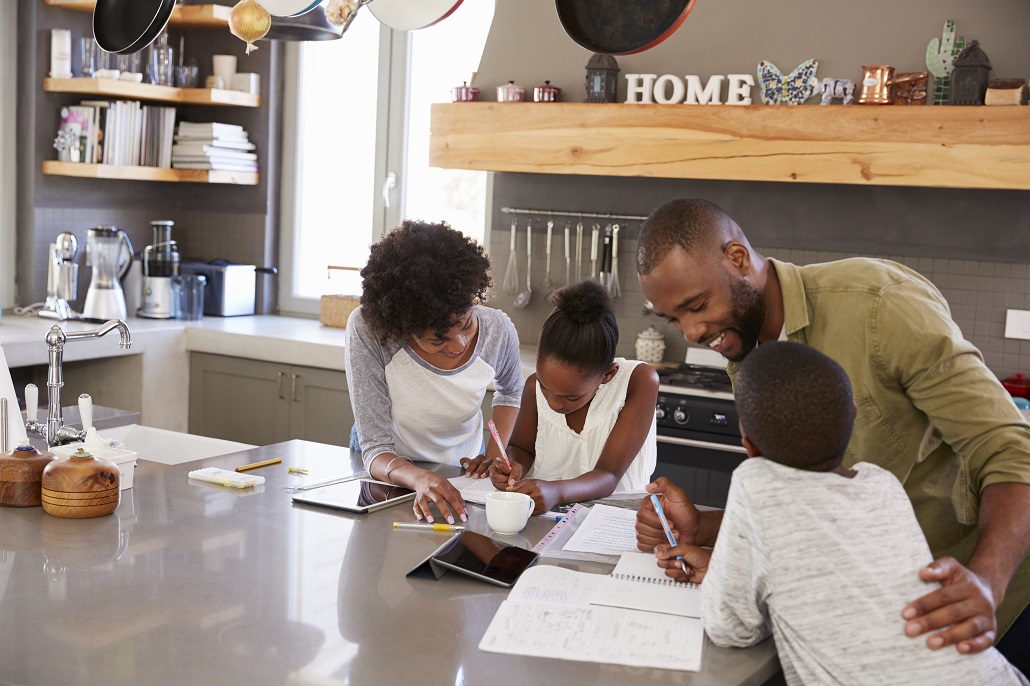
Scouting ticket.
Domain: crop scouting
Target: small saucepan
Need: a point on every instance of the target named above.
(621, 27)
(127, 26)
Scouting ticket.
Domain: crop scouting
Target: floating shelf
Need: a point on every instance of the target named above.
(184, 16)
(952, 147)
(148, 91)
(128, 173)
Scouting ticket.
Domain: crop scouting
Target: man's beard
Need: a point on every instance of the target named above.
(748, 313)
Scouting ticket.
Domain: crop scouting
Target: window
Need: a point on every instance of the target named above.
(356, 146)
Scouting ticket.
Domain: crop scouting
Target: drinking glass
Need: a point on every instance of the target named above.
(87, 55)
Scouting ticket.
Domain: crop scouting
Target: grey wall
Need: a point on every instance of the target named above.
(975, 245)
(239, 223)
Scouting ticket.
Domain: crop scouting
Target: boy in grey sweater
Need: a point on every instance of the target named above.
(817, 554)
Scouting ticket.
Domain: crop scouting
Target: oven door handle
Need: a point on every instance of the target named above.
(702, 444)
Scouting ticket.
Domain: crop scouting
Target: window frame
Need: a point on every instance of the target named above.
(390, 144)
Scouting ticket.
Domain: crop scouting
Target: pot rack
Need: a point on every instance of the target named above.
(580, 215)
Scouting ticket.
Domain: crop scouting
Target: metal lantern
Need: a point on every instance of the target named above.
(602, 79)
(969, 79)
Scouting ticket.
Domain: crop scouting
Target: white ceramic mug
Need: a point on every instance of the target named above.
(224, 66)
(507, 512)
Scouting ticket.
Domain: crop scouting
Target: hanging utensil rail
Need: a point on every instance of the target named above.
(580, 215)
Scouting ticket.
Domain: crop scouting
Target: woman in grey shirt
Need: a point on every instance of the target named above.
(421, 352)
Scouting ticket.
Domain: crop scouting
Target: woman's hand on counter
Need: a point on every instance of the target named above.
(429, 488)
(476, 467)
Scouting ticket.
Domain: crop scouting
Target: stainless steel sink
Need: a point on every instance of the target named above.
(170, 447)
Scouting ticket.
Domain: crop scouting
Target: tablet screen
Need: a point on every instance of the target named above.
(482, 556)
(360, 495)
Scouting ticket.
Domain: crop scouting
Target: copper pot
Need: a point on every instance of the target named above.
(546, 93)
(876, 85)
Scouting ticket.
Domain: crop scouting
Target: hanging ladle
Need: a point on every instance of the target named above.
(523, 298)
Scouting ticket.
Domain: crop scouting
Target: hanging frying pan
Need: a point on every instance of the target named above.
(127, 26)
(409, 15)
(621, 27)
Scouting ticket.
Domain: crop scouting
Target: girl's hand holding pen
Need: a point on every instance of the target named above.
(502, 475)
(477, 467)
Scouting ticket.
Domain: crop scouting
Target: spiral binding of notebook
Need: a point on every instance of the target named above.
(646, 579)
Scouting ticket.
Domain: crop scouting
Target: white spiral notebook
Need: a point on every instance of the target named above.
(638, 583)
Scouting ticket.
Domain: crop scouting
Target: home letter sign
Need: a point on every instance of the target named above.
(671, 89)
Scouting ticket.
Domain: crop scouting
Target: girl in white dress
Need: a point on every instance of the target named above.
(586, 427)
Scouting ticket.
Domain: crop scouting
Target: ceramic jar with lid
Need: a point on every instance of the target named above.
(464, 93)
(510, 92)
(546, 93)
(650, 345)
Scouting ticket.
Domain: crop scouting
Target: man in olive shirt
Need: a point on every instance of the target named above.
(929, 410)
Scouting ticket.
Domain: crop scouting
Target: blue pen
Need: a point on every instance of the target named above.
(668, 529)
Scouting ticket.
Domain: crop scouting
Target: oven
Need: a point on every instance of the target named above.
(698, 435)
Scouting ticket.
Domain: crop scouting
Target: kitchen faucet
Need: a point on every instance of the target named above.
(54, 431)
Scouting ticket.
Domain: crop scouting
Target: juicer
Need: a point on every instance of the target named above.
(160, 265)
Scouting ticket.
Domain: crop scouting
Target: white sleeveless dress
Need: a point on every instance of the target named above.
(561, 453)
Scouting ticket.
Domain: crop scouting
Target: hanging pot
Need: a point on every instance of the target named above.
(309, 26)
(127, 26)
(409, 15)
(621, 27)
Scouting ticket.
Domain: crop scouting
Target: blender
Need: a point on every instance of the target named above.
(109, 253)
(160, 264)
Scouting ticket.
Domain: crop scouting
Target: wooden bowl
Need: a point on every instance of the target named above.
(21, 476)
(80, 486)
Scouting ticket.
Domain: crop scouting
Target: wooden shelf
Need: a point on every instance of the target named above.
(184, 16)
(148, 91)
(127, 173)
(953, 147)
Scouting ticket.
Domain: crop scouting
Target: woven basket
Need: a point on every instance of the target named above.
(334, 310)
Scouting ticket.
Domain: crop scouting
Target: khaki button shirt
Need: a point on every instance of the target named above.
(929, 410)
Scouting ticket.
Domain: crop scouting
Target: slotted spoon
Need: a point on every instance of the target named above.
(613, 279)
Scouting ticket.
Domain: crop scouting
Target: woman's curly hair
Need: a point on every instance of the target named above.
(420, 277)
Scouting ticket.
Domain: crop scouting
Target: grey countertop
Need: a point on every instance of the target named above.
(192, 583)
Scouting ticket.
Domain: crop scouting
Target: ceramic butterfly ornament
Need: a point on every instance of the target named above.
(793, 89)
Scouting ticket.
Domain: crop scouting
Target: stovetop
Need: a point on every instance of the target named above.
(694, 379)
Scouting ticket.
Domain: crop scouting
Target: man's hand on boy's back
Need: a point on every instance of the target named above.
(962, 604)
(683, 517)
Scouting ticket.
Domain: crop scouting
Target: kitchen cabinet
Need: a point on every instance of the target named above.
(952, 147)
(185, 17)
(259, 402)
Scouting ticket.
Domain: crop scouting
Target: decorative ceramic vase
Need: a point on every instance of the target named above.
(650, 346)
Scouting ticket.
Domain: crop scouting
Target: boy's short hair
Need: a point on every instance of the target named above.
(795, 405)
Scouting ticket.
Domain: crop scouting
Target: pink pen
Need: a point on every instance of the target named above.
(497, 438)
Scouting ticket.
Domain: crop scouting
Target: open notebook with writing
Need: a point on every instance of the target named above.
(638, 583)
(547, 615)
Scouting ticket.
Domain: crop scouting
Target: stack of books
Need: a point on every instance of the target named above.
(121, 132)
(215, 146)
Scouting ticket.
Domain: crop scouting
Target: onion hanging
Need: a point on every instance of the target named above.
(249, 21)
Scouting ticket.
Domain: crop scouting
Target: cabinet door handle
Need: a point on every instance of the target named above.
(281, 375)
(293, 387)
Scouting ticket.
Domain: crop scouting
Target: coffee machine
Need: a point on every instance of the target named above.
(160, 265)
(61, 277)
(109, 253)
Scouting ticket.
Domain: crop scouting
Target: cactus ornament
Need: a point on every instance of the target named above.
(940, 60)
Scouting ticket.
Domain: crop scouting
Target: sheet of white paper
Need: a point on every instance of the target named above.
(556, 585)
(473, 490)
(608, 530)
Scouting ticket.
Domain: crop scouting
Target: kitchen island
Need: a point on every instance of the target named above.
(193, 583)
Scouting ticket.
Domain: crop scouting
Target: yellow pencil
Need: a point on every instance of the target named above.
(245, 467)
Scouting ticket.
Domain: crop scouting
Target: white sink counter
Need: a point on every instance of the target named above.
(162, 373)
